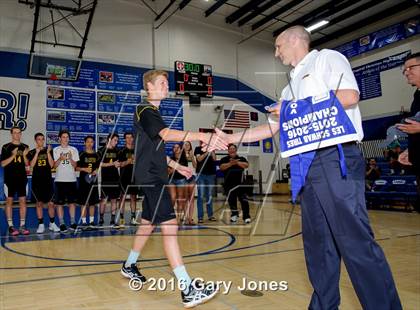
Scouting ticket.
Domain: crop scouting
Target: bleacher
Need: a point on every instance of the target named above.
(389, 191)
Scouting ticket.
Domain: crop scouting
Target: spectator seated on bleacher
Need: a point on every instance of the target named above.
(373, 173)
(394, 151)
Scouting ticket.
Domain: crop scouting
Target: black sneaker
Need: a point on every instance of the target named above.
(84, 227)
(114, 225)
(101, 222)
(63, 228)
(73, 226)
(132, 272)
(198, 293)
(92, 226)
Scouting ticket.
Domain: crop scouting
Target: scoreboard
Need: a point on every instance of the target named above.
(193, 79)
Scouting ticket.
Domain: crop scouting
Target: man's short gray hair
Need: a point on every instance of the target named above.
(298, 31)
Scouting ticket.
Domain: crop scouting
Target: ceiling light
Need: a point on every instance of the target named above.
(317, 25)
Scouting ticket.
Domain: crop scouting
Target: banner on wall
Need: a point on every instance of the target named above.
(111, 95)
(172, 112)
(381, 38)
(267, 145)
(110, 77)
(368, 76)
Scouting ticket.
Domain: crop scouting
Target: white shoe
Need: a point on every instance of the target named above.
(53, 227)
(234, 219)
(41, 229)
(247, 221)
(198, 295)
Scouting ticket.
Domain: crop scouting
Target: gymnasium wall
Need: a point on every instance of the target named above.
(122, 34)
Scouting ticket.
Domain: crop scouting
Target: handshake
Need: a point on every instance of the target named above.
(215, 141)
(219, 140)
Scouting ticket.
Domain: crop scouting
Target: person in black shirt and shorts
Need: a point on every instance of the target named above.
(14, 160)
(126, 158)
(41, 161)
(88, 166)
(110, 178)
(233, 167)
(150, 172)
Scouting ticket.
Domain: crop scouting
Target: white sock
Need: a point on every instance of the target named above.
(183, 277)
(132, 258)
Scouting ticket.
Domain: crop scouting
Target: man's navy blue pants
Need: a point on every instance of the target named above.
(335, 226)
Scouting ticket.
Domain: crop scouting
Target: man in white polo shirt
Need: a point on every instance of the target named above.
(319, 123)
(65, 163)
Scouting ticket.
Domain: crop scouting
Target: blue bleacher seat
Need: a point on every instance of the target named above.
(392, 189)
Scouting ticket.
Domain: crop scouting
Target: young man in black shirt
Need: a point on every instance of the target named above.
(233, 168)
(88, 166)
(110, 178)
(150, 171)
(41, 161)
(206, 180)
(14, 160)
(126, 158)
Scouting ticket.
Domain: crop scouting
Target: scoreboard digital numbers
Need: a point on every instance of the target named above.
(193, 79)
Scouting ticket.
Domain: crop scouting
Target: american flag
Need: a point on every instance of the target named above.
(236, 119)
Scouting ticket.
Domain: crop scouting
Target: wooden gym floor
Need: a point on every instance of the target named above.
(81, 271)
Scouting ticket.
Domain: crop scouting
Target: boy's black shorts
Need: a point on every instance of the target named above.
(42, 190)
(65, 192)
(157, 204)
(17, 185)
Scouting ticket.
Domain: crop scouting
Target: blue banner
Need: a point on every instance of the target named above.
(171, 107)
(313, 123)
(368, 76)
(121, 81)
(174, 122)
(172, 112)
(72, 121)
(106, 76)
(87, 79)
(67, 98)
(268, 145)
(381, 38)
(118, 123)
(117, 102)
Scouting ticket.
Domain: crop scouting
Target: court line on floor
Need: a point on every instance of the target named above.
(148, 260)
(166, 265)
(231, 242)
(149, 267)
